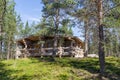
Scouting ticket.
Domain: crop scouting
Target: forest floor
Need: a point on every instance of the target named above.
(60, 69)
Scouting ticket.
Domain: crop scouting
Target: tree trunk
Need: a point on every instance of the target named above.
(86, 38)
(109, 53)
(8, 50)
(1, 30)
(0, 39)
(56, 33)
(54, 45)
(101, 38)
(11, 51)
(101, 50)
(116, 55)
(3, 4)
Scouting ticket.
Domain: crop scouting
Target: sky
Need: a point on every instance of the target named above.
(31, 10)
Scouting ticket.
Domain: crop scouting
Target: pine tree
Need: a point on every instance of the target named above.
(27, 30)
(55, 9)
(101, 37)
(10, 29)
(20, 26)
(2, 15)
(112, 30)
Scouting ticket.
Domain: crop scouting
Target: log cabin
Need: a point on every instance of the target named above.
(35, 46)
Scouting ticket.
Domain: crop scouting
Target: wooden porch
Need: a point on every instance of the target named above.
(36, 46)
(66, 52)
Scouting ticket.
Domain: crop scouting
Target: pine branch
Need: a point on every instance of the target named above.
(111, 9)
(4, 8)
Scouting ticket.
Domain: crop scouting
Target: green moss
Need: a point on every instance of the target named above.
(58, 69)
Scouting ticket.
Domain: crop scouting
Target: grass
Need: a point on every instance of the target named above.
(60, 69)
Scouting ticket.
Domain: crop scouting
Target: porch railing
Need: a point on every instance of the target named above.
(67, 51)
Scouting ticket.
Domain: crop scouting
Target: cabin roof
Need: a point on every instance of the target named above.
(37, 38)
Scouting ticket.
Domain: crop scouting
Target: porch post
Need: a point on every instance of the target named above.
(42, 50)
